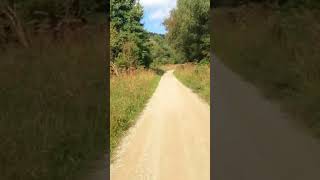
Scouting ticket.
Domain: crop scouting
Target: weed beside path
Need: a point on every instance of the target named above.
(128, 96)
(196, 77)
(278, 51)
(52, 108)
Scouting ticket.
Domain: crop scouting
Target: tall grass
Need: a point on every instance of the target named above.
(52, 107)
(278, 50)
(129, 94)
(196, 77)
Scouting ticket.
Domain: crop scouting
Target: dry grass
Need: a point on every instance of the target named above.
(196, 77)
(129, 94)
(52, 108)
(167, 67)
(278, 50)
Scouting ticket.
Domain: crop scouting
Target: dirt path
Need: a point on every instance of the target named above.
(171, 139)
(252, 139)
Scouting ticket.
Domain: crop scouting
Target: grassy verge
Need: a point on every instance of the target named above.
(196, 77)
(276, 49)
(128, 96)
(52, 107)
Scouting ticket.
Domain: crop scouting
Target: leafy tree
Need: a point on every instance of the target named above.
(188, 29)
(129, 40)
(161, 52)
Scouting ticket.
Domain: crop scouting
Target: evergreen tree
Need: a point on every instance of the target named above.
(129, 40)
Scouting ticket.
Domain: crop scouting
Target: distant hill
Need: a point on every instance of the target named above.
(155, 34)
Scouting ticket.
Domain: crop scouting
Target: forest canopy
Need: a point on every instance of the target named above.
(129, 40)
(187, 38)
(188, 30)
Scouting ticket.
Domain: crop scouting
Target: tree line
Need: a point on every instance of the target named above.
(131, 44)
(188, 30)
(187, 38)
(128, 39)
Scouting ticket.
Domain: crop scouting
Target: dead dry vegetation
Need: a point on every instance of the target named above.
(196, 77)
(129, 94)
(53, 105)
(278, 50)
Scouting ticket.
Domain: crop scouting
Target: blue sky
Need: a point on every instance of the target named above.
(155, 11)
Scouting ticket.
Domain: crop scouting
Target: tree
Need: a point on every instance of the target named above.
(161, 53)
(129, 39)
(188, 29)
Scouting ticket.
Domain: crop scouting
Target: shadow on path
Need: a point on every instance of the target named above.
(252, 138)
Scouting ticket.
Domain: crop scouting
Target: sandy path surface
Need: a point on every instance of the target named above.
(171, 139)
(253, 139)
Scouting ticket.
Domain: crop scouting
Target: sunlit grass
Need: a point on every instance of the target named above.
(129, 94)
(196, 77)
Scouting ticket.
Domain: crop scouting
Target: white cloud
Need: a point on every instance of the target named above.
(150, 3)
(158, 3)
(159, 9)
(159, 14)
(155, 12)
